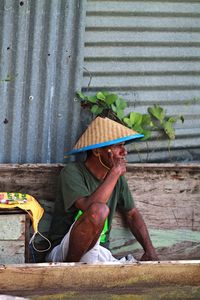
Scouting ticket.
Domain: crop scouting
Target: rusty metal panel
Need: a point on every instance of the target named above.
(148, 52)
(41, 43)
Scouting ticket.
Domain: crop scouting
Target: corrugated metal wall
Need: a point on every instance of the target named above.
(149, 52)
(41, 43)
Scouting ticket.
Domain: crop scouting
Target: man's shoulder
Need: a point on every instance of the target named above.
(72, 167)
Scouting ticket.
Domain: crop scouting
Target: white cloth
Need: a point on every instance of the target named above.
(96, 255)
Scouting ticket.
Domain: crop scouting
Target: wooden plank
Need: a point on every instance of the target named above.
(40, 179)
(168, 198)
(44, 279)
(36, 179)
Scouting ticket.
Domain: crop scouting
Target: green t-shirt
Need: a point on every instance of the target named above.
(76, 181)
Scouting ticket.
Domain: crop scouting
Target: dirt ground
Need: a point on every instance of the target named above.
(150, 292)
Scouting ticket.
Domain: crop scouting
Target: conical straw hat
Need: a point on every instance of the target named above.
(104, 132)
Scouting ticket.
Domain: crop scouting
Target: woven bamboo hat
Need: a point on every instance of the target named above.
(104, 132)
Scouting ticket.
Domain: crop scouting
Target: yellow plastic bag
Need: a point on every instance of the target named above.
(29, 204)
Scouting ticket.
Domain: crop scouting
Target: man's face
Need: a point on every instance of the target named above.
(117, 151)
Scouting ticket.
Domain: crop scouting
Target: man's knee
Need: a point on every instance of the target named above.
(98, 212)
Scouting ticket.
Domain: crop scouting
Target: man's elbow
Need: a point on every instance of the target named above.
(132, 214)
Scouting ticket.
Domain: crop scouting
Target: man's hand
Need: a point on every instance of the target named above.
(151, 255)
(118, 163)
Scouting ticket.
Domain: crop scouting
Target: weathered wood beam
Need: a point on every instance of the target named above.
(75, 275)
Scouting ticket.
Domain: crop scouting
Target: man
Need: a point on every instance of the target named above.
(88, 194)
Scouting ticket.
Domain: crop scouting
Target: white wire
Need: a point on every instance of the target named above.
(44, 237)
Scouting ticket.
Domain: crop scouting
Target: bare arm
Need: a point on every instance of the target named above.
(139, 230)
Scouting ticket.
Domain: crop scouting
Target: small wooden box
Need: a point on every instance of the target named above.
(14, 237)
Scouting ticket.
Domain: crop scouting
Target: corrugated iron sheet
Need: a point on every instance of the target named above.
(149, 53)
(41, 43)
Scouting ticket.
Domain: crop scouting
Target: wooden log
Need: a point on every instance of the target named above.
(82, 279)
(38, 180)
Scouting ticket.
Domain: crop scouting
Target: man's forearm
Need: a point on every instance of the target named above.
(105, 189)
(139, 230)
(102, 193)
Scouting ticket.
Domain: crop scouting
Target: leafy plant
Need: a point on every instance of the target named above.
(112, 106)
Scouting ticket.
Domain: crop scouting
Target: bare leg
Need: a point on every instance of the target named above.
(86, 231)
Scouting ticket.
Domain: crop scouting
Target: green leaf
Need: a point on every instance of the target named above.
(146, 120)
(120, 103)
(135, 118)
(117, 102)
(120, 113)
(169, 130)
(92, 99)
(96, 109)
(111, 98)
(157, 112)
(147, 134)
(127, 121)
(123, 103)
(172, 120)
(137, 128)
(100, 96)
(81, 95)
(114, 108)
(105, 93)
